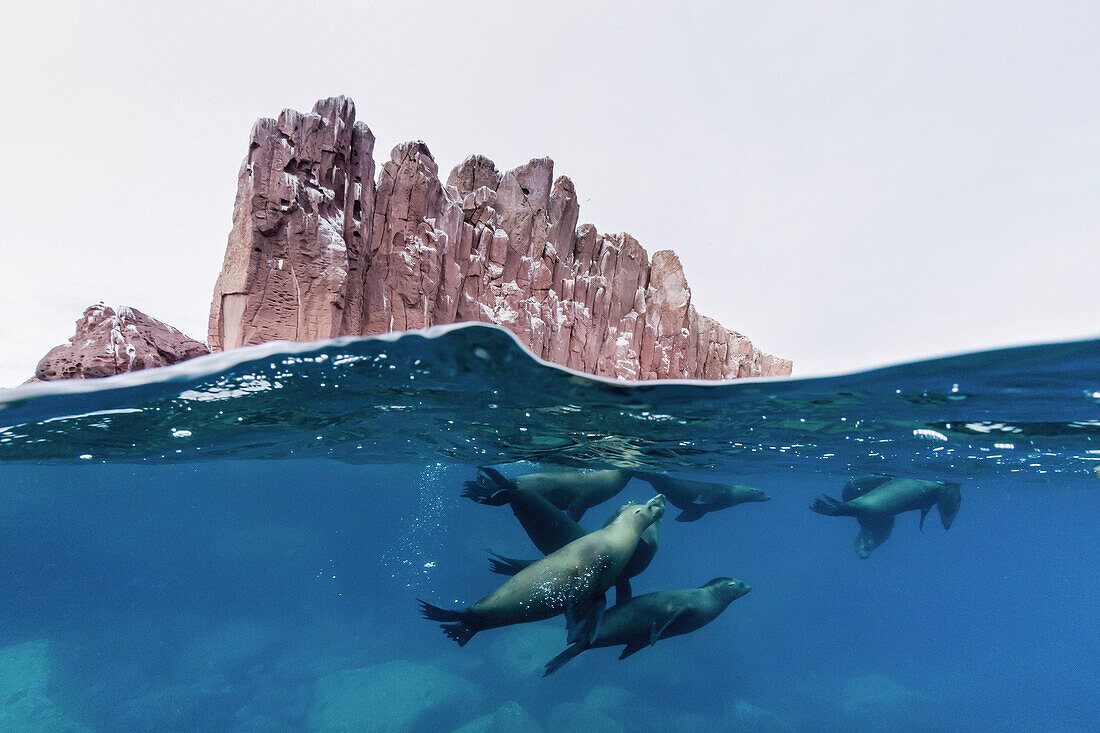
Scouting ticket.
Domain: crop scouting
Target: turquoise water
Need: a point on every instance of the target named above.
(239, 542)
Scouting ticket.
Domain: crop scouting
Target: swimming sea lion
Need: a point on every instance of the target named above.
(875, 500)
(640, 622)
(574, 492)
(696, 498)
(572, 581)
(548, 526)
(550, 529)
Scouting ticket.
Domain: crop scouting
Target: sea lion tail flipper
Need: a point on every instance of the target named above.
(622, 590)
(631, 648)
(490, 488)
(496, 477)
(556, 663)
(693, 512)
(830, 507)
(457, 626)
(458, 632)
(506, 565)
(582, 623)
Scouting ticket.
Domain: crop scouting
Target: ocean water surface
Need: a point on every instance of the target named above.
(238, 543)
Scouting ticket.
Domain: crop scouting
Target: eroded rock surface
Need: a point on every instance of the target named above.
(321, 248)
(28, 699)
(393, 697)
(109, 342)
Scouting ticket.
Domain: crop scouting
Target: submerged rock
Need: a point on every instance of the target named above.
(523, 650)
(579, 718)
(603, 709)
(508, 718)
(188, 706)
(229, 648)
(320, 248)
(743, 715)
(877, 701)
(107, 343)
(392, 697)
(26, 704)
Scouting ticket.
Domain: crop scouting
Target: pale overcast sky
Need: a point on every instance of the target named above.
(851, 186)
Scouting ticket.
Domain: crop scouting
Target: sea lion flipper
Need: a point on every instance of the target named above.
(693, 512)
(655, 633)
(556, 663)
(575, 510)
(923, 514)
(623, 590)
(490, 487)
(506, 565)
(457, 623)
(496, 477)
(830, 507)
(582, 623)
(631, 648)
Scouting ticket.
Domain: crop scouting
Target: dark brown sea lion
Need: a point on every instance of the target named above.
(572, 580)
(551, 529)
(641, 621)
(696, 498)
(574, 492)
(875, 500)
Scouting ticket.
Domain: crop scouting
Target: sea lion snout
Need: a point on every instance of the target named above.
(653, 509)
(760, 496)
(732, 589)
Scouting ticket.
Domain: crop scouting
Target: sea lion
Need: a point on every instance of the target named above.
(875, 500)
(572, 580)
(551, 529)
(574, 492)
(696, 498)
(640, 622)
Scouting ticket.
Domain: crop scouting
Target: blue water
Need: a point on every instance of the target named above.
(237, 543)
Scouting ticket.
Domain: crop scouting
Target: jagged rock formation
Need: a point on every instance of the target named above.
(320, 249)
(108, 343)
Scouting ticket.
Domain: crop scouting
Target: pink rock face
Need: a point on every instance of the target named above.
(108, 343)
(320, 249)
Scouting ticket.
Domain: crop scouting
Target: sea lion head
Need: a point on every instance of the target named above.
(651, 534)
(642, 514)
(866, 542)
(756, 495)
(728, 589)
(873, 531)
(948, 505)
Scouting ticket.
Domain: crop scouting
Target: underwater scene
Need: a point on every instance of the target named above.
(293, 537)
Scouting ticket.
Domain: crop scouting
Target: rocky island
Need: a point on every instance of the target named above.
(322, 247)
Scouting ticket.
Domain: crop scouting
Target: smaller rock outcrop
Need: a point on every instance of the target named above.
(109, 342)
